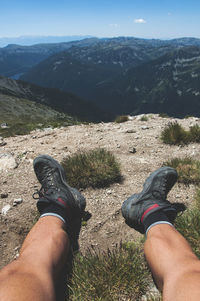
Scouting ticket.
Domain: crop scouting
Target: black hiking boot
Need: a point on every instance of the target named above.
(152, 198)
(55, 192)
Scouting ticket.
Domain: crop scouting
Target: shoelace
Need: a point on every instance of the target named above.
(48, 180)
(38, 194)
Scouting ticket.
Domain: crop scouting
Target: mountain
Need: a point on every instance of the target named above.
(60, 101)
(169, 84)
(125, 79)
(15, 60)
(83, 69)
(31, 40)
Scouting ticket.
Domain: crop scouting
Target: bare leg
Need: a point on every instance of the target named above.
(175, 268)
(32, 276)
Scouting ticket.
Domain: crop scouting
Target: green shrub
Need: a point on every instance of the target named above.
(174, 133)
(194, 133)
(197, 199)
(188, 116)
(122, 118)
(96, 168)
(24, 128)
(120, 274)
(188, 169)
(163, 115)
(144, 118)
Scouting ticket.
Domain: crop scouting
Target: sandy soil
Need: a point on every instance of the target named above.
(106, 227)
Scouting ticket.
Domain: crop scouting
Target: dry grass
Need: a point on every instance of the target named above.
(96, 168)
(187, 168)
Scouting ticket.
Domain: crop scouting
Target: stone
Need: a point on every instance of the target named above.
(4, 125)
(132, 150)
(144, 127)
(5, 209)
(17, 202)
(2, 142)
(4, 195)
(130, 131)
(7, 161)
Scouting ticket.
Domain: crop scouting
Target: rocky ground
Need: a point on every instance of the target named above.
(135, 143)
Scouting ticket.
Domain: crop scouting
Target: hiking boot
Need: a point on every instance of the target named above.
(54, 188)
(152, 198)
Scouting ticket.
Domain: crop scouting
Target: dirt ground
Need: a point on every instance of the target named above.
(106, 226)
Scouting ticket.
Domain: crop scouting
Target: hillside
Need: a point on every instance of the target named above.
(62, 102)
(168, 83)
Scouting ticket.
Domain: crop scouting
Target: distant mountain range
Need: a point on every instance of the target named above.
(15, 60)
(119, 75)
(31, 40)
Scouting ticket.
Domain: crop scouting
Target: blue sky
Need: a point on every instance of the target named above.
(105, 18)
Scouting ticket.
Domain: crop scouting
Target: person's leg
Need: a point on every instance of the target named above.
(33, 275)
(175, 268)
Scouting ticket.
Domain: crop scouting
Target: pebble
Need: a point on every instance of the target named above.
(144, 127)
(2, 142)
(132, 150)
(130, 131)
(5, 209)
(4, 195)
(7, 161)
(17, 202)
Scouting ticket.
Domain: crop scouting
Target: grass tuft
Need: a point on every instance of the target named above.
(96, 168)
(120, 274)
(24, 128)
(189, 226)
(120, 119)
(194, 133)
(163, 115)
(144, 118)
(187, 168)
(174, 133)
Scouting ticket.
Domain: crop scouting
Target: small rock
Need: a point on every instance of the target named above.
(144, 127)
(2, 142)
(5, 209)
(4, 125)
(130, 131)
(17, 202)
(109, 191)
(3, 195)
(132, 150)
(7, 161)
